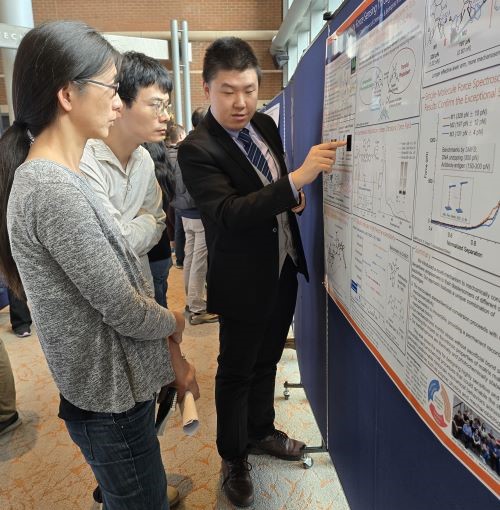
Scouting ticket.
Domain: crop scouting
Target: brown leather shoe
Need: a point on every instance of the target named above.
(237, 483)
(277, 444)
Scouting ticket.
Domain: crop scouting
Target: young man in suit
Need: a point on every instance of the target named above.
(233, 166)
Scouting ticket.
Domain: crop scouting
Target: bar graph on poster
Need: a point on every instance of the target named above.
(411, 208)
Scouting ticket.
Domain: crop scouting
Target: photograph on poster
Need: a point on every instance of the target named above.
(476, 435)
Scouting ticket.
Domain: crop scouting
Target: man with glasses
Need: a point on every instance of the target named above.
(120, 171)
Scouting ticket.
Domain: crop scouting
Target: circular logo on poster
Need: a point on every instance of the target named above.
(439, 403)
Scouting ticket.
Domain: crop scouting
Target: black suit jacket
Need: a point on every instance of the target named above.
(239, 216)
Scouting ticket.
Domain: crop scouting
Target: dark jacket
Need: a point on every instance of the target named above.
(239, 216)
(162, 250)
(182, 201)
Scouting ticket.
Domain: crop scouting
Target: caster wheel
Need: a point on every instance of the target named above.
(286, 394)
(307, 463)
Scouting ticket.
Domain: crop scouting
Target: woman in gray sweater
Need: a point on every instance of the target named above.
(108, 344)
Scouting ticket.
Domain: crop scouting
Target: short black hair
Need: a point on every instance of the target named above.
(229, 54)
(140, 71)
(198, 115)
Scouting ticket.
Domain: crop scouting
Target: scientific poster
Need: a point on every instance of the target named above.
(412, 235)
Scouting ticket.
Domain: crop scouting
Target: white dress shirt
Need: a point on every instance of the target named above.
(131, 195)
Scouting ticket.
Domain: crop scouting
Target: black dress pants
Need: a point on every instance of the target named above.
(244, 384)
(19, 311)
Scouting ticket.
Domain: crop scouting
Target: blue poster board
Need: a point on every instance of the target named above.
(310, 325)
(386, 457)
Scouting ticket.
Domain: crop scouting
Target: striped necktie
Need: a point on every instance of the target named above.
(254, 154)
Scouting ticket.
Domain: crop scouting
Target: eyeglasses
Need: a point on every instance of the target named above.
(114, 86)
(162, 108)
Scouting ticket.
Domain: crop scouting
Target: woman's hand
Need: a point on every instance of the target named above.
(301, 205)
(180, 322)
(185, 373)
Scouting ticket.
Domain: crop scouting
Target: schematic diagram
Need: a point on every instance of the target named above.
(459, 37)
(393, 271)
(340, 97)
(383, 90)
(380, 281)
(450, 20)
(389, 70)
(338, 188)
(343, 89)
(337, 252)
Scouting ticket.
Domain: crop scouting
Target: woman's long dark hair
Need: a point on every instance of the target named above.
(49, 57)
(164, 174)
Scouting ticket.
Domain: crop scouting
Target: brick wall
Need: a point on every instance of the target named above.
(155, 15)
(271, 82)
(270, 85)
(127, 15)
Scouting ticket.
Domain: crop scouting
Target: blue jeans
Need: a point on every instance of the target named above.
(159, 270)
(123, 451)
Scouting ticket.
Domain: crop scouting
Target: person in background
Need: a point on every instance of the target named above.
(457, 424)
(108, 344)
(195, 261)
(9, 417)
(197, 116)
(175, 134)
(467, 433)
(170, 228)
(19, 313)
(160, 256)
(233, 166)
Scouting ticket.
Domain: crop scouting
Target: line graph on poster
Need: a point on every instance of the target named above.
(457, 197)
(457, 212)
(384, 175)
(463, 196)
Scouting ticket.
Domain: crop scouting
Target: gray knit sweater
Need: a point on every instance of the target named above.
(102, 333)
